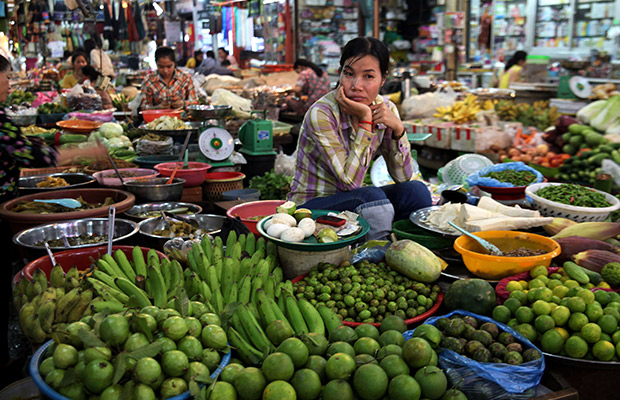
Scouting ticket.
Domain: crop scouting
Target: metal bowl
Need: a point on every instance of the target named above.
(28, 184)
(28, 239)
(209, 223)
(136, 211)
(155, 189)
(202, 112)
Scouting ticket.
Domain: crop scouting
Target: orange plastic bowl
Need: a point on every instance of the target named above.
(152, 115)
(254, 210)
(486, 266)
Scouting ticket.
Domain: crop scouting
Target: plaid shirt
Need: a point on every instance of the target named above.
(312, 85)
(332, 157)
(156, 91)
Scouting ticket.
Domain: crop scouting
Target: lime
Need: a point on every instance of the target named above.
(576, 347)
(560, 315)
(394, 365)
(296, 350)
(524, 315)
(518, 295)
(571, 284)
(577, 321)
(417, 352)
(501, 314)
(541, 307)
(278, 367)
(539, 270)
(213, 336)
(343, 333)
(553, 283)
(191, 347)
(594, 311)
(513, 285)
(362, 359)
(222, 391)
(603, 350)
(612, 311)
(98, 375)
(174, 363)
(392, 322)
(544, 294)
(404, 387)
(175, 328)
(147, 370)
(367, 330)
(392, 337)
(338, 390)
(512, 304)
(339, 366)
(307, 384)
(388, 350)
(602, 296)
(340, 347)
(136, 341)
(587, 296)
(279, 390)
(591, 332)
(370, 382)
(196, 369)
(172, 387)
(431, 334)
(543, 323)
(250, 384)
(142, 391)
(536, 283)
(432, 381)
(230, 372)
(527, 330)
(317, 364)
(65, 356)
(316, 343)
(560, 291)
(278, 331)
(608, 324)
(114, 329)
(562, 332)
(366, 345)
(552, 341)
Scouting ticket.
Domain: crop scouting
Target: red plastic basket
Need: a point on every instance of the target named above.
(251, 209)
(410, 321)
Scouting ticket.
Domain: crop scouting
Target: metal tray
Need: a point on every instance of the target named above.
(578, 362)
(172, 132)
(420, 216)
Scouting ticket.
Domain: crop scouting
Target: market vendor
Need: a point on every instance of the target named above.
(312, 84)
(513, 72)
(168, 87)
(340, 136)
(196, 60)
(225, 55)
(99, 58)
(210, 66)
(79, 60)
(95, 79)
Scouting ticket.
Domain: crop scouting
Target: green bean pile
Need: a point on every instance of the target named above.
(573, 195)
(517, 178)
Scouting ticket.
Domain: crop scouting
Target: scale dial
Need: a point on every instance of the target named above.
(216, 143)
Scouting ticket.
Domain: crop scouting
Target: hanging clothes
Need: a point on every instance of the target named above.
(108, 26)
(132, 31)
(139, 17)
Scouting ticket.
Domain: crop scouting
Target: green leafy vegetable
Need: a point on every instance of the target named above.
(272, 186)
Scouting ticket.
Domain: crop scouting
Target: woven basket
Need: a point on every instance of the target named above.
(217, 183)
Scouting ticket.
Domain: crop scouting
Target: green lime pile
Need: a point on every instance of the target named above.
(149, 354)
(362, 363)
(562, 316)
(366, 292)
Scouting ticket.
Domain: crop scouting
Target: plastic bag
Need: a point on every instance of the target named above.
(478, 178)
(100, 116)
(241, 107)
(425, 105)
(284, 164)
(146, 147)
(511, 378)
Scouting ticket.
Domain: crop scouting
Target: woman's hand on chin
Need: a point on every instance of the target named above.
(359, 110)
(381, 114)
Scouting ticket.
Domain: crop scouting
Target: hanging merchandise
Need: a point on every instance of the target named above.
(139, 20)
(108, 26)
(132, 31)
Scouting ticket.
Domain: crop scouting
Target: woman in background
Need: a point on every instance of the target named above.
(79, 60)
(312, 84)
(513, 72)
(91, 74)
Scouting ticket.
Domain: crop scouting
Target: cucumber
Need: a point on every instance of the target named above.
(605, 148)
(598, 158)
(575, 272)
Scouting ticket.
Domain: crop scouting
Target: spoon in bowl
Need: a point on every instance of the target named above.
(491, 248)
(69, 203)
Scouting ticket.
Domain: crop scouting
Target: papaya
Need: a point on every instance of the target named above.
(414, 261)
(473, 295)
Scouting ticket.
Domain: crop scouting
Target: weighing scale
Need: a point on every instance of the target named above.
(216, 144)
(257, 136)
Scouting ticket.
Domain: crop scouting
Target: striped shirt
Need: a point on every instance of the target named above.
(332, 157)
(156, 91)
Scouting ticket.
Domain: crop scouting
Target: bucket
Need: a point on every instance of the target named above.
(297, 262)
(241, 194)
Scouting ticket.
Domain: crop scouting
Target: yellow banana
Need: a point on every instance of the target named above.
(78, 309)
(46, 315)
(64, 302)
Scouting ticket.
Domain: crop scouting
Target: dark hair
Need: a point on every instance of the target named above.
(514, 60)
(302, 62)
(89, 45)
(165, 52)
(76, 54)
(5, 65)
(224, 50)
(91, 73)
(225, 63)
(211, 54)
(198, 53)
(366, 46)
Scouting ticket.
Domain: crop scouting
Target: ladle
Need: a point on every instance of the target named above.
(69, 203)
(491, 248)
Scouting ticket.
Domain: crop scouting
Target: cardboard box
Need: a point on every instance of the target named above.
(440, 135)
(463, 138)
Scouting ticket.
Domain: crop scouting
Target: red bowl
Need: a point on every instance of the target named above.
(224, 176)
(78, 257)
(261, 208)
(151, 115)
(194, 175)
(410, 321)
(506, 193)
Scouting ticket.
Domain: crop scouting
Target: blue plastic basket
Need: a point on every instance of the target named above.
(37, 358)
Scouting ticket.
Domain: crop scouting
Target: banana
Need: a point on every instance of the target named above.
(217, 301)
(219, 265)
(39, 276)
(48, 295)
(158, 287)
(204, 290)
(253, 329)
(71, 283)
(245, 289)
(178, 274)
(263, 269)
(27, 310)
(60, 292)
(138, 261)
(278, 275)
(217, 258)
(63, 302)
(38, 334)
(207, 248)
(46, 315)
(108, 292)
(193, 263)
(72, 273)
(233, 294)
(78, 309)
(250, 244)
(111, 306)
(330, 318)
(282, 303)
(246, 351)
(190, 285)
(228, 272)
(57, 276)
(277, 311)
(165, 273)
(270, 286)
(231, 240)
(218, 245)
(133, 291)
(212, 279)
(266, 312)
(125, 266)
(260, 245)
(241, 240)
(244, 268)
(36, 289)
(311, 316)
(104, 277)
(153, 258)
(294, 316)
(114, 265)
(271, 249)
(236, 252)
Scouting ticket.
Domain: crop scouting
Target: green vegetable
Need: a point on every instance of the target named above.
(19, 97)
(608, 115)
(517, 178)
(110, 130)
(611, 273)
(272, 186)
(52, 108)
(574, 195)
(587, 113)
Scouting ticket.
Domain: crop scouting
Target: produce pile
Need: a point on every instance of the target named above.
(539, 114)
(573, 195)
(52, 108)
(464, 110)
(166, 123)
(517, 178)
(272, 186)
(602, 115)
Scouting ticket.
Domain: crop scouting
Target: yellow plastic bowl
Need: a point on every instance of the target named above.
(480, 263)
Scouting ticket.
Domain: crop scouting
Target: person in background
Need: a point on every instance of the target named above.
(168, 86)
(79, 60)
(343, 132)
(224, 55)
(98, 58)
(312, 84)
(210, 66)
(91, 75)
(196, 60)
(513, 72)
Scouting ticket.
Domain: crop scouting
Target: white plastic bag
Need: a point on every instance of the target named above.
(241, 107)
(146, 147)
(284, 164)
(425, 105)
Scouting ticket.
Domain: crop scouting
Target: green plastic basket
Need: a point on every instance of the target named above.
(405, 229)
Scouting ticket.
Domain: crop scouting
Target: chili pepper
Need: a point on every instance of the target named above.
(575, 195)
(517, 178)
